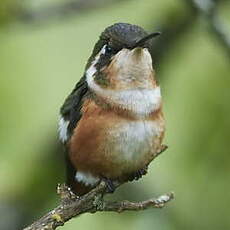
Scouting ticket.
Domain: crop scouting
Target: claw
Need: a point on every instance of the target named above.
(138, 174)
(110, 186)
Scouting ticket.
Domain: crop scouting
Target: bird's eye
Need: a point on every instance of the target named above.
(108, 49)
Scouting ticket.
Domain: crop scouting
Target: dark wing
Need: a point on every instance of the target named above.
(71, 112)
(71, 109)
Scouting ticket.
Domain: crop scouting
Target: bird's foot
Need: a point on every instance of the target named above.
(138, 174)
(109, 184)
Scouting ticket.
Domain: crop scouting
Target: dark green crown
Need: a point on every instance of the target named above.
(118, 36)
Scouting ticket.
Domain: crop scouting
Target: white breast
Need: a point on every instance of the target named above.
(134, 139)
(128, 146)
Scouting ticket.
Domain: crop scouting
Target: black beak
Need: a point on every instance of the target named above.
(143, 40)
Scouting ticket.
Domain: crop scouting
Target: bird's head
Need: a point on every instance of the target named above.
(121, 58)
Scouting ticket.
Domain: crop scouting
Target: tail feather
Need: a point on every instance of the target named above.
(77, 187)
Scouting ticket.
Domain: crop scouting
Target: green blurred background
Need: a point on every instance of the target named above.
(44, 46)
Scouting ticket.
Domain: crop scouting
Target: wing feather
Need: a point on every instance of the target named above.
(71, 109)
(70, 115)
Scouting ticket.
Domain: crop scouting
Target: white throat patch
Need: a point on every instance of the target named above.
(141, 102)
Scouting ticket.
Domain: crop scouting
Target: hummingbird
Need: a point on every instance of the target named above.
(111, 124)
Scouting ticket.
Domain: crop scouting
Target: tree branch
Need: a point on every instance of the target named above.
(71, 205)
(137, 206)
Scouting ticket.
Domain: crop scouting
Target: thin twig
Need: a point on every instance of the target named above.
(136, 206)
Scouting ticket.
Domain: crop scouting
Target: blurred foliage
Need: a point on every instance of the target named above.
(40, 64)
(5, 14)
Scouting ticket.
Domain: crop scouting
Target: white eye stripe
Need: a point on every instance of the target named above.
(103, 50)
(92, 69)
